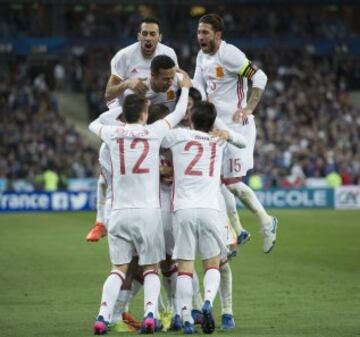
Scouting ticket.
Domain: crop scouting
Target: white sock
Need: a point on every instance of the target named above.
(248, 197)
(169, 283)
(151, 291)
(211, 284)
(197, 298)
(184, 293)
(231, 209)
(120, 304)
(100, 200)
(135, 287)
(226, 290)
(110, 293)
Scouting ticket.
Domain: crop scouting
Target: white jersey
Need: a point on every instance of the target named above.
(167, 98)
(134, 151)
(197, 161)
(220, 76)
(129, 62)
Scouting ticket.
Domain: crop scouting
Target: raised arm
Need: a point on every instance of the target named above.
(179, 113)
(111, 117)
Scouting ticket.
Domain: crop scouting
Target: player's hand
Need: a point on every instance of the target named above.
(184, 79)
(222, 135)
(242, 115)
(137, 85)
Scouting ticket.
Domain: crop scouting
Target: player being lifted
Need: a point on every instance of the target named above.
(224, 71)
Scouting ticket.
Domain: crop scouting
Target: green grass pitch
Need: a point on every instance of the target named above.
(51, 279)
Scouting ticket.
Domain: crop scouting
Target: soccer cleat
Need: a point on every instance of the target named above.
(96, 232)
(122, 326)
(175, 323)
(130, 319)
(227, 322)
(197, 316)
(189, 328)
(243, 237)
(148, 324)
(208, 325)
(165, 318)
(100, 326)
(269, 233)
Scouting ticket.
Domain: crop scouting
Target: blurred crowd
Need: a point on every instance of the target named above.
(111, 20)
(307, 127)
(34, 137)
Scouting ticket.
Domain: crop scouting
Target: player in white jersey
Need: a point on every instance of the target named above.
(223, 71)
(162, 87)
(135, 223)
(163, 82)
(197, 159)
(131, 65)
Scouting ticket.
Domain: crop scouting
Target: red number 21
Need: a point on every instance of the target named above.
(190, 171)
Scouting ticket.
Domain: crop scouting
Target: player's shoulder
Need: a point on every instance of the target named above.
(228, 50)
(164, 49)
(126, 51)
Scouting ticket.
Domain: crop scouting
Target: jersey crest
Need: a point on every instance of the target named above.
(219, 72)
(170, 95)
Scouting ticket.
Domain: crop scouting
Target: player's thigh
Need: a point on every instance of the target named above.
(211, 237)
(185, 234)
(147, 234)
(121, 248)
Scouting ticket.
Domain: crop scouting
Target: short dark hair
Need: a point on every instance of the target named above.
(203, 115)
(215, 21)
(149, 19)
(133, 106)
(161, 62)
(156, 112)
(195, 94)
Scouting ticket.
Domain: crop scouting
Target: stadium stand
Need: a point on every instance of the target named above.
(307, 125)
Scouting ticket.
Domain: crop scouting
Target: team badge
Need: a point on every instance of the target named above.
(170, 95)
(219, 71)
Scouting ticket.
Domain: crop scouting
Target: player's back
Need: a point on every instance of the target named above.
(197, 161)
(134, 152)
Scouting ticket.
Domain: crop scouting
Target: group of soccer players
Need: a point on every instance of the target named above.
(173, 154)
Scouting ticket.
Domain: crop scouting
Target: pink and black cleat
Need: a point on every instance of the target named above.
(100, 326)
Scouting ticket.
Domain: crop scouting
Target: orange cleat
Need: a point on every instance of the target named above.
(129, 319)
(96, 232)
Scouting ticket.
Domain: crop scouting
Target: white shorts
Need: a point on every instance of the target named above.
(195, 230)
(236, 162)
(136, 230)
(167, 219)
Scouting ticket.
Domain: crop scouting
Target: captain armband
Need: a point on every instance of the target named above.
(249, 70)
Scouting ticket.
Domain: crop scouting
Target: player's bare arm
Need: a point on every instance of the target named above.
(116, 86)
(259, 79)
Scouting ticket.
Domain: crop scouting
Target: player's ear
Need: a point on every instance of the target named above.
(138, 36)
(160, 37)
(218, 35)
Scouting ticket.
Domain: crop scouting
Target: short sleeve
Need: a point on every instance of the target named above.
(233, 59)
(118, 64)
